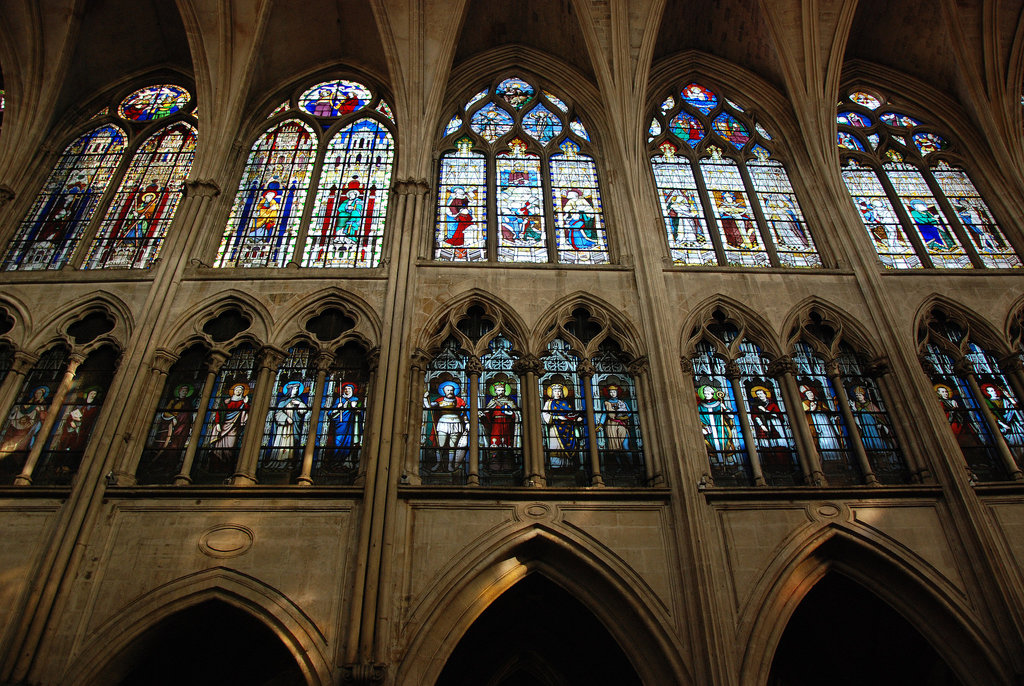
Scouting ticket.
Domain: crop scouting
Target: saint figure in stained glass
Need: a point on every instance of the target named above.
(153, 102)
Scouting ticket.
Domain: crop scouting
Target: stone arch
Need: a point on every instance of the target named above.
(287, 621)
(54, 329)
(23, 327)
(616, 595)
(750, 323)
(292, 320)
(188, 327)
(849, 328)
(613, 323)
(975, 327)
(506, 320)
(896, 575)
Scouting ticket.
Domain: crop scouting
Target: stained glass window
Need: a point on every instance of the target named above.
(342, 422)
(287, 422)
(819, 406)
(919, 210)
(616, 419)
(226, 417)
(769, 422)
(76, 419)
(563, 417)
(136, 222)
(711, 163)
(153, 102)
(350, 200)
(174, 420)
(347, 226)
(719, 419)
(23, 423)
(500, 416)
(444, 440)
(508, 143)
(51, 230)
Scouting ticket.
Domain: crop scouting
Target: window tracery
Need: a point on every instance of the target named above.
(725, 200)
(919, 207)
(517, 182)
(333, 142)
(979, 403)
(134, 224)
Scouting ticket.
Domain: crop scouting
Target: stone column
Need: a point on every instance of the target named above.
(323, 363)
(879, 370)
(372, 360)
(25, 478)
(965, 369)
(638, 370)
(213, 365)
(783, 369)
(420, 361)
(843, 400)
(527, 368)
(20, 366)
(586, 372)
(732, 373)
(150, 393)
(475, 368)
(248, 456)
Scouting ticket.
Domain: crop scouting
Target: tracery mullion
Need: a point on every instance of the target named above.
(709, 214)
(952, 217)
(909, 231)
(491, 225)
(762, 224)
(549, 210)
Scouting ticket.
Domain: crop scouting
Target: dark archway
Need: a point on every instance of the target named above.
(844, 635)
(537, 633)
(211, 643)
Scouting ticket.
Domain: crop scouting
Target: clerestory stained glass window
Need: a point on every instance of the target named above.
(348, 127)
(919, 206)
(713, 167)
(517, 182)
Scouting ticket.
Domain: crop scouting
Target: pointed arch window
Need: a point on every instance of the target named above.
(287, 420)
(982, 408)
(135, 222)
(517, 181)
(341, 427)
(446, 418)
(918, 205)
(725, 199)
(25, 420)
(226, 417)
(174, 419)
(348, 128)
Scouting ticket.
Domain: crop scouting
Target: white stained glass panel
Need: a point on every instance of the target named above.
(879, 218)
(461, 231)
(981, 228)
(579, 220)
(938, 238)
(740, 236)
(686, 227)
(786, 223)
(521, 234)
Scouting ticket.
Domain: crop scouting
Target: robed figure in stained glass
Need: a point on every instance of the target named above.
(564, 426)
(346, 425)
(716, 421)
(458, 216)
(229, 422)
(449, 433)
(57, 224)
(578, 220)
(500, 416)
(265, 211)
(136, 223)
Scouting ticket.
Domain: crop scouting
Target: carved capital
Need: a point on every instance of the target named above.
(585, 368)
(420, 359)
(1011, 364)
(927, 365)
(527, 364)
(373, 359)
(323, 361)
(963, 367)
(162, 360)
(216, 360)
(474, 365)
(365, 674)
(732, 370)
(781, 366)
(639, 367)
(270, 357)
(832, 368)
(202, 188)
(74, 360)
(686, 364)
(877, 367)
(23, 362)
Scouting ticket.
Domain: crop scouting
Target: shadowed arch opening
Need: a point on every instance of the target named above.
(816, 645)
(537, 633)
(209, 643)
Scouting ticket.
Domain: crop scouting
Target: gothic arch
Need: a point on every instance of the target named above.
(506, 320)
(299, 633)
(23, 327)
(1014, 327)
(54, 328)
(975, 327)
(616, 595)
(613, 323)
(753, 325)
(293, 318)
(188, 328)
(849, 329)
(896, 575)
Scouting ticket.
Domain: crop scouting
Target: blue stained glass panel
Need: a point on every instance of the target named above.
(521, 231)
(577, 127)
(899, 120)
(453, 125)
(687, 128)
(883, 225)
(491, 122)
(444, 439)
(347, 225)
(719, 419)
(580, 237)
(51, 230)
(681, 209)
(542, 124)
(515, 92)
(939, 240)
(853, 119)
(731, 129)
(700, 98)
(335, 98)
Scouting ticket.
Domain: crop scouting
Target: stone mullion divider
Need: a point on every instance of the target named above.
(25, 478)
(248, 455)
(216, 361)
(20, 367)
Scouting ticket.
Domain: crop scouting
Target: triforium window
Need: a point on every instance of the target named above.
(517, 182)
(336, 140)
(918, 204)
(725, 199)
(982, 408)
(135, 223)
